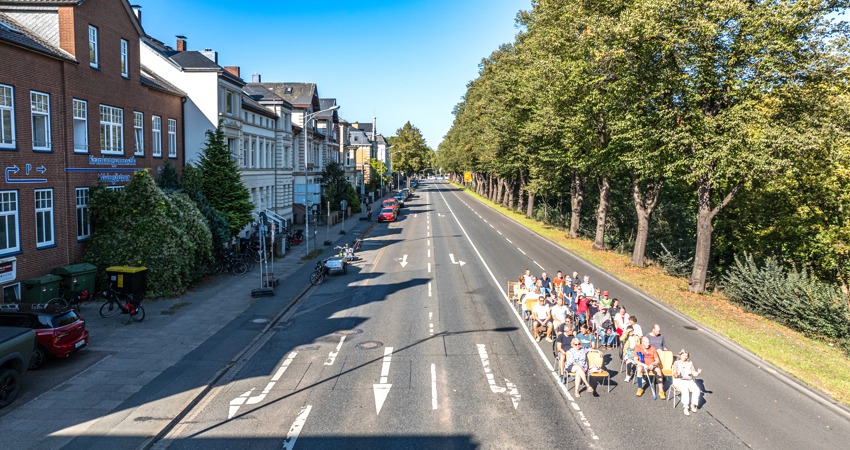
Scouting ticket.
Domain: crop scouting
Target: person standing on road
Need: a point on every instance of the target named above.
(684, 373)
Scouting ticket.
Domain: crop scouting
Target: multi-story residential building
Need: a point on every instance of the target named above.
(361, 149)
(76, 108)
(258, 137)
(308, 166)
(347, 155)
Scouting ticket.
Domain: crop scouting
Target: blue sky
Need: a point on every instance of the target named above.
(403, 60)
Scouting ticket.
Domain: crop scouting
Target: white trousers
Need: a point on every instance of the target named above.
(687, 387)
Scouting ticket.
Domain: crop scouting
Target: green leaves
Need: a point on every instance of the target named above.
(410, 153)
(222, 184)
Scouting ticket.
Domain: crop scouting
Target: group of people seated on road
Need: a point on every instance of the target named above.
(578, 318)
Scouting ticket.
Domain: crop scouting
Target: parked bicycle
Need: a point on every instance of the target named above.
(318, 275)
(117, 302)
(231, 262)
(70, 299)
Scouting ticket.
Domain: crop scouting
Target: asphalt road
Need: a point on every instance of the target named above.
(417, 347)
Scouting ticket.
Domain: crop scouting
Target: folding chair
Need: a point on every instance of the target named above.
(597, 358)
(528, 303)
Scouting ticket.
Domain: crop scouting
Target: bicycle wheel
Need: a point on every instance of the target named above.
(257, 255)
(219, 267)
(239, 268)
(59, 302)
(140, 314)
(249, 262)
(110, 308)
(317, 277)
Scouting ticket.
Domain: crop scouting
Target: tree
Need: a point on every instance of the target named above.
(410, 152)
(378, 174)
(168, 179)
(222, 184)
(334, 183)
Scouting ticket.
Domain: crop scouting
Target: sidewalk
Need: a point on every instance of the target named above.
(149, 372)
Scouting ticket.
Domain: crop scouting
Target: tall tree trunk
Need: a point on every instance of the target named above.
(644, 204)
(705, 230)
(576, 199)
(491, 194)
(529, 211)
(510, 194)
(602, 211)
(521, 193)
(500, 182)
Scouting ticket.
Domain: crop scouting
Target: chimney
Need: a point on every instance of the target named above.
(213, 56)
(138, 10)
(255, 78)
(181, 43)
(234, 70)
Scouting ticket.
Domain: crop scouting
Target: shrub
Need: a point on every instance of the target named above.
(673, 264)
(142, 226)
(792, 298)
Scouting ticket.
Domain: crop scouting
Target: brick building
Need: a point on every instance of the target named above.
(76, 109)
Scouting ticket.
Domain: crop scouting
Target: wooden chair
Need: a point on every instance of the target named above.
(597, 358)
(528, 303)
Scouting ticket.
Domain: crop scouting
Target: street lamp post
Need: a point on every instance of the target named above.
(306, 178)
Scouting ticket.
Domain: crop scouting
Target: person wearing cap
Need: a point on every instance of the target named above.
(605, 301)
(684, 373)
(542, 318)
(604, 328)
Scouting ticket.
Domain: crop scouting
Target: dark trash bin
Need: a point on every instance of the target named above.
(41, 289)
(128, 280)
(77, 278)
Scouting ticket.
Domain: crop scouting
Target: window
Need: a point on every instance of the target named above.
(40, 106)
(9, 232)
(139, 133)
(83, 221)
(172, 138)
(43, 217)
(111, 130)
(93, 60)
(81, 128)
(125, 60)
(7, 116)
(12, 294)
(156, 135)
(228, 102)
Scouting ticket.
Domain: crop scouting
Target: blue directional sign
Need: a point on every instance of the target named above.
(13, 170)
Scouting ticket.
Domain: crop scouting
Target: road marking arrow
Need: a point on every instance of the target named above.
(511, 389)
(246, 398)
(296, 427)
(404, 261)
(452, 256)
(382, 389)
(332, 355)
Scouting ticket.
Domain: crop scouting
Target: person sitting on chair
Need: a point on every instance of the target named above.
(605, 301)
(576, 362)
(628, 343)
(621, 320)
(656, 338)
(545, 283)
(633, 323)
(684, 373)
(586, 337)
(605, 328)
(560, 312)
(646, 359)
(542, 318)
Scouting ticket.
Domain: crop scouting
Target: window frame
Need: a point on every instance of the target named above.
(156, 136)
(172, 138)
(115, 128)
(44, 214)
(81, 196)
(46, 114)
(85, 120)
(94, 57)
(138, 133)
(4, 215)
(125, 58)
(11, 111)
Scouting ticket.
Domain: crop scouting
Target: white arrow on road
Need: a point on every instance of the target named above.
(441, 215)
(511, 389)
(452, 256)
(382, 389)
(246, 398)
(404, 261)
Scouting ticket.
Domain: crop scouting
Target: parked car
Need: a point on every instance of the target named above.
(16, 349)
(391, 203)
(407, 193)
(387, 215)
(400, 199)
(59, 332)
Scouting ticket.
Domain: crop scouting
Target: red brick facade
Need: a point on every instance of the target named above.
(62, 169)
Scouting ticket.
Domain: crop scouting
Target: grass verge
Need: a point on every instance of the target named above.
(814, 362)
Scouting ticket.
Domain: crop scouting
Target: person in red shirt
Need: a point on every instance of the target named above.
(581, 309)
(646, 360)
(558, 283)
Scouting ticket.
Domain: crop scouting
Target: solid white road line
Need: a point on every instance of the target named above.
(296, 427)
(521, 321)
(332, 355)
(433, 386)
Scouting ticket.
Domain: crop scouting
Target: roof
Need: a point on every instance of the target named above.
(43, 2)
(152, 80)
(358, 137)
(301, 95)
(264, 95)
(364, 126)
(190, 60)
(12, 32)
(255, 106)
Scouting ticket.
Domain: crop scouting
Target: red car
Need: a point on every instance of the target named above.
(391, 203)
(387, 215)
(58, 332)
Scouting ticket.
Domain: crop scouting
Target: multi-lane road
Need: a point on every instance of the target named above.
(417, 347)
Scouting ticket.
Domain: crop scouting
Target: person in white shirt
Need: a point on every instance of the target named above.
(559, 313)
(542, 318)
(587, 287)
(528, 279)
(638, 331)
(684, 373)
(621, 320)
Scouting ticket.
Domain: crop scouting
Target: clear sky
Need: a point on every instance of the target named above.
(398, 60)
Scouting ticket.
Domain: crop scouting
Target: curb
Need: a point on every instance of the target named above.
(776, 372)
(194, 400)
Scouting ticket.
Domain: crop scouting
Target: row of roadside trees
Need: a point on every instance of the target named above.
(696, 131)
